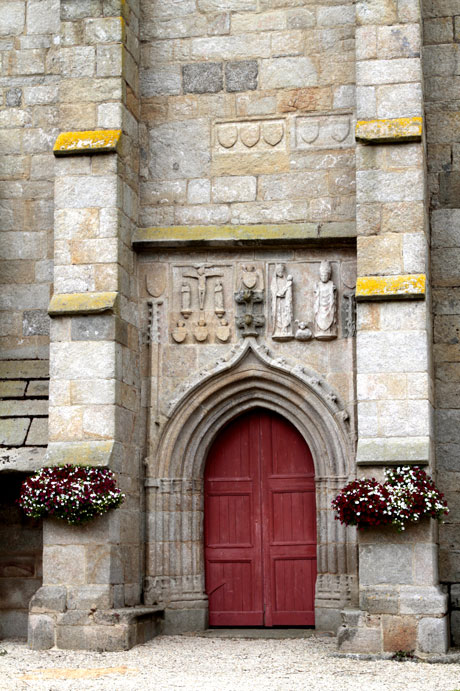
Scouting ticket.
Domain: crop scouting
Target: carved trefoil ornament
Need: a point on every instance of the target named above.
(282, 305)
(249, 299)
(325, 306)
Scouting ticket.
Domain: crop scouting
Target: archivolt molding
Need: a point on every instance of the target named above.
(248, 377)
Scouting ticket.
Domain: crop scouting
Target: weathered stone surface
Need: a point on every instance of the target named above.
(178, 152)
(393, 450)
(13, 431)
(432, 635)
(420, 600)
(389, 130)
(93, 328)
(202, 78)
(35, 323)
(385, 563)
(41, 634)
(49, 599)
(241, 75)
(38, 432)
(399, 633)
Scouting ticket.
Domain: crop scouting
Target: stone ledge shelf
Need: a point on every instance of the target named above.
(408, 286)
(63, 304)
(394, 130)
(393, 451)
(241, 235)
(101, 454)
(86, 142)
(22, 460)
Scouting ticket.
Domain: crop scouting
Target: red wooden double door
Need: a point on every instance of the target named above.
(260, 524)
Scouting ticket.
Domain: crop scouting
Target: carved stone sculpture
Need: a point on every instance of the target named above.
(186, 300)
(219, 308)
(348, 315)
(325, 304)
(201, 274)
(303, 333)
(281, 290)
(179, 334)
(249, 317)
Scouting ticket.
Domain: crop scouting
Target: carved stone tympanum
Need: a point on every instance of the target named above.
(325, 304)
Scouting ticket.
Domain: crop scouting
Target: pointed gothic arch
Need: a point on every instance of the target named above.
(249, 378)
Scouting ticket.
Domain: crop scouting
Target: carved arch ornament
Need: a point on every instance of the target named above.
(247, 378)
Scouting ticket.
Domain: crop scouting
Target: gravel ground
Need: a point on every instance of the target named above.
(197, 662)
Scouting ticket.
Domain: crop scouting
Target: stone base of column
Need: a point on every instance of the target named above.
(188, 615)
(418, 624)
(101, 630)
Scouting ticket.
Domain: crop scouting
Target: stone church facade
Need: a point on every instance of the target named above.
(210, 208)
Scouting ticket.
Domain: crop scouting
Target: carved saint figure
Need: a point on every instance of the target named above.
(201, 276)
(325, 304)
(281, 289)
(185, 300)
(219, 308)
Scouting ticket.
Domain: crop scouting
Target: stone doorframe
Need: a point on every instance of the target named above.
(247, 378)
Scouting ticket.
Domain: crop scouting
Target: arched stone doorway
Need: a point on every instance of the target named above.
(249, 378)
(260, 524)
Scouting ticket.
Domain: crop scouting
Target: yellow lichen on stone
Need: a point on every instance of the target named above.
(81, 303)
(86, 142)
(391, 130)
(387, 287)
(95, 453)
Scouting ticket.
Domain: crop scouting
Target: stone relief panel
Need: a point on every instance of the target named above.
(323, 132)
(250, 299)
(249, 136)
(201, 297)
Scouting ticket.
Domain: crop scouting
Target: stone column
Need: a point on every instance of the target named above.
(94, 390)
(402, 605)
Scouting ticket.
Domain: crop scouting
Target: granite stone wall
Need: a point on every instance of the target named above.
(441, 66)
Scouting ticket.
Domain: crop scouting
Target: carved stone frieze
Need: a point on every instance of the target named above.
(282, 305)
(249, 136)
(323, 132)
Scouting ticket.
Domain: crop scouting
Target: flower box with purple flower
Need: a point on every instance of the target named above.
(407, 495)
(74, 493)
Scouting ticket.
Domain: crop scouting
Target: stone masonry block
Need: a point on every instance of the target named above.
(38, 432)
(49, 599)
(161, 80)
(14, 97)
(13, 18)
(93, 328)
(35, 323)
(385, 563)
(433, 636)
(290, 72)
(422, 600)
(455, 627)
(449, 189)
(203, 78)
(177, 150)
(241, 75)
(399, 633)
(40, 632)
(64, 565)
(13, 431)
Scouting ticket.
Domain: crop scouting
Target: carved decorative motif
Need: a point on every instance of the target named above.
(323, 132)
(281, 290)
(251, 135)
(179, 334)
(325, 304)
(303, 333)
(348, 315)
(201, 273)
(155, 280)
(249, 299)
